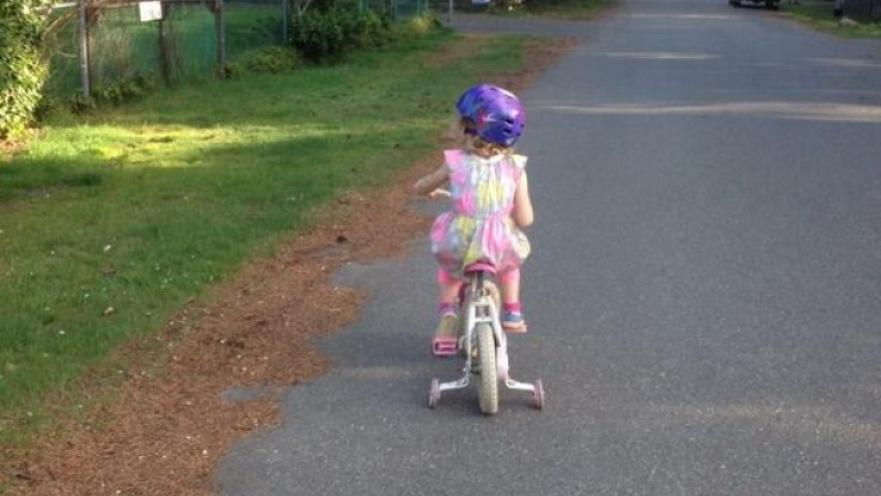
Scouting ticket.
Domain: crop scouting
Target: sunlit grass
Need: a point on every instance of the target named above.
(140, 207)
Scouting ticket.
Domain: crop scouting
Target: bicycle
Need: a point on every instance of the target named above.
(484, 345)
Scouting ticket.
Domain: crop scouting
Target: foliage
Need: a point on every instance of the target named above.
(319, 35)
(80, 103)
(330, 29)
(115, 93)
(123, 90)
(272, 60)
(23, 69)
(418, 26)
(366, 29)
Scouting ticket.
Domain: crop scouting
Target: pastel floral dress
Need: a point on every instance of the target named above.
(479, 226)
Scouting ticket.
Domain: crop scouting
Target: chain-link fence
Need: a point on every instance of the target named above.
(112, 42)
(253, 24)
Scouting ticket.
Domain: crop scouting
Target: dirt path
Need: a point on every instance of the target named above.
(168, 422)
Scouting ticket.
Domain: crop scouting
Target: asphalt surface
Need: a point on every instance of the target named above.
(704, 295)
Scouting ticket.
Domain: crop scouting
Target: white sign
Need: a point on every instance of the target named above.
(150, 11)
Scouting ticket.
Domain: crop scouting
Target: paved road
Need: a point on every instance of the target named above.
(704, 294)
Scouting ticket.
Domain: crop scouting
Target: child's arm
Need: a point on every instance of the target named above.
(431, 182)
(522, 213)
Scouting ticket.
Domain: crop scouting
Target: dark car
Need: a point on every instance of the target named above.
(771, 4)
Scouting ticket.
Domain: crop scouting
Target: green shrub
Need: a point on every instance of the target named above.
(272, 60)
(23, 69)
(326, 34)
(420, 25)
(46, 107)
(80, 104)
(318, 35)
(123, 90)
(115, 93)
(365, 30)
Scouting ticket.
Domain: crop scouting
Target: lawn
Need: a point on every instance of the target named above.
(111, 222)
(818, 13)
(571, 9)
(564, 9)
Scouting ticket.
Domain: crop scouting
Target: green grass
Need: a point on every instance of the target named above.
(818, 14)
(143, 206)
(565, 9)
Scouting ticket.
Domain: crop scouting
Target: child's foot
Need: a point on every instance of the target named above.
(512, 319)
(446, 336)
(513, 322)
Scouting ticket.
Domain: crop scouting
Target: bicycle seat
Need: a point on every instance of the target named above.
(480, 267)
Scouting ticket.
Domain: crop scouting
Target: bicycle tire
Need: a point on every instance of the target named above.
(488, 386)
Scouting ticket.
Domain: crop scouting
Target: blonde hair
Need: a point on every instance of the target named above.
(458, 128)
(473, 143)
(479, 146)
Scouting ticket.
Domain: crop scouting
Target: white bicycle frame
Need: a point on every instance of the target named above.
(481, 308)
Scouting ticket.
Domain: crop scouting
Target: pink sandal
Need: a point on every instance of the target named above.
(444, 346)
(446, 340)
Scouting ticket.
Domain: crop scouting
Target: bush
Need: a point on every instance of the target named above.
(318, 35)
(23, 69)
(366, 30)
(419, 26)
(81, 104)
(327, 34)
(272, 60)
(123, 90)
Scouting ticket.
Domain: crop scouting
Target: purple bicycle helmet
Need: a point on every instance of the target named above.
(467, 104)
(500, 116)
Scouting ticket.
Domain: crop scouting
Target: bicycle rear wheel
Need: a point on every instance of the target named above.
(488, 386)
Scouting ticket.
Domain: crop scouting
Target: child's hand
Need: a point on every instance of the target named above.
(430, 183)
(439, 194)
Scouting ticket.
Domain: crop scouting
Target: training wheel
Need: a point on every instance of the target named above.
(538, 396)
(434, 394)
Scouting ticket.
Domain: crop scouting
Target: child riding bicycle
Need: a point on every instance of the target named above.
(489, 193)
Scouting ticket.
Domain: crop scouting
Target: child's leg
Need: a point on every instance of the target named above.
(446, 336)
(448, 288)
(512, 315)
(510, 282)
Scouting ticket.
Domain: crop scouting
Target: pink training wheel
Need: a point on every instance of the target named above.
(434, 394)
(538, 396)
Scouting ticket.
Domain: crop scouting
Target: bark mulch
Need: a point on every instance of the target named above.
(167, 423)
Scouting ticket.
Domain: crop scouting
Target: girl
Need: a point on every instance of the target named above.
(490, 196)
